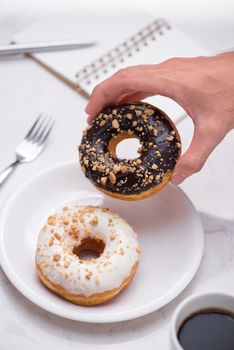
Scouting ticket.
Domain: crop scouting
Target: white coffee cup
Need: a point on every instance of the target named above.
(193, 304)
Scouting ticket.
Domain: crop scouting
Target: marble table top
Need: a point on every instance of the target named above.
(26, 90)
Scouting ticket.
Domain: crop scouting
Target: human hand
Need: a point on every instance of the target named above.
(203, 86)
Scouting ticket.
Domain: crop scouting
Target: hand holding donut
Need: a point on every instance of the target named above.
(203, 86)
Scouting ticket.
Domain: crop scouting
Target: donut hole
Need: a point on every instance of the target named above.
(124, 146)
(89, 248)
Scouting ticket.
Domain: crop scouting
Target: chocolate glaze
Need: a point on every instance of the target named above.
(160, 148)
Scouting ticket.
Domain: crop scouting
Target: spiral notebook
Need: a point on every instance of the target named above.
(124, 39)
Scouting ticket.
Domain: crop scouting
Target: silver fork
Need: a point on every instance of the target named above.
(32, 144)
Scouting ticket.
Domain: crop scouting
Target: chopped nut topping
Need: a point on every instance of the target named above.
(112, 177)
(66, 264)
(57, 257)
(138, 161)
(90, 209)
(178, 144)
(57, 235)
(149, 111)
(104, 210)
(74, 218)
(121, 251)
(102, 122)
(73, 227)
(89, 275)
(94, 221)
(51, 241)
(138, 112)
(112, 236)
(124, 169)
(65, 208)
(116, 168)
(115, 124)
(65, 222)
(158, 154)
(103, 180)
(129, 116)
(170, 138)
(102, 168)
(134, 123)
(154, 166)
(132, 107)
(51, 220)
(74, 231)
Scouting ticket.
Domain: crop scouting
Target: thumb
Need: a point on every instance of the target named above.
(203, 143)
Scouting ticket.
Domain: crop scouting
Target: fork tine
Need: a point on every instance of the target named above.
(42, 128)
(46, 131)
(39, 129)
(29, 134)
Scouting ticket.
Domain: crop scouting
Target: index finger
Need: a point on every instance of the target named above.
(108, 92)
(126, 81)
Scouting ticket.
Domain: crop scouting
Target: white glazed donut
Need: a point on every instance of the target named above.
(86, 282)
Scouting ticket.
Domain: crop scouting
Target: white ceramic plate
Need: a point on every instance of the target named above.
(169, 232)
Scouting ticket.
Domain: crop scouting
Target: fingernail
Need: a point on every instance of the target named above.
(177, 179)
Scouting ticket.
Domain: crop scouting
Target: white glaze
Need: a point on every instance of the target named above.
(87, 277)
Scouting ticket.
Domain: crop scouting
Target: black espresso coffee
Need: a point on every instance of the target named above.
(209, 329)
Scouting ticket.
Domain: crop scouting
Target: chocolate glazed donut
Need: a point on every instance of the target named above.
(130, 179)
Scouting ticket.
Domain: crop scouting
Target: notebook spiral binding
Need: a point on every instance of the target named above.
(119, 54)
